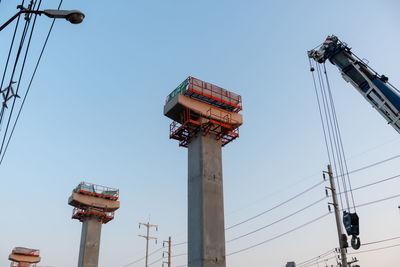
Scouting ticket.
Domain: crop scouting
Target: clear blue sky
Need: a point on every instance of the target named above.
(94, 113)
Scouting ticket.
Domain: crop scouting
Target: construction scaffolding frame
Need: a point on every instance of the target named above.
(214, 121)
(81, 213)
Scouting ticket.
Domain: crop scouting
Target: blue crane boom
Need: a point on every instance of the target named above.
(375, 88)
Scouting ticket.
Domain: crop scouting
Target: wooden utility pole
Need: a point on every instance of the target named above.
(335, 204)
(168, 252)
(148, 237)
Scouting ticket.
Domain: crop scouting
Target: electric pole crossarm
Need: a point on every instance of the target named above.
(148, 237)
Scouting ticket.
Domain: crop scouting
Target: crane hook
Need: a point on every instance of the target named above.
(355, 242)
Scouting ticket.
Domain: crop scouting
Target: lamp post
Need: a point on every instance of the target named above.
(73, 16)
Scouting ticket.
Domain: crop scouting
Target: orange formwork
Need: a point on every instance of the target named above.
(80, 214)
(191, 123)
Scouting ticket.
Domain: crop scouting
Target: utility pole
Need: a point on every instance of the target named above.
(148, 237)
(341, 236)
(168, 252)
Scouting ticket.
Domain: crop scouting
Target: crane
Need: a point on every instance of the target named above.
(375, 88)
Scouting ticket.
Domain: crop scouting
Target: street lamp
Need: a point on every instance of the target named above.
(73, 16)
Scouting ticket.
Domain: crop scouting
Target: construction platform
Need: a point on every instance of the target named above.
(90, 200)
(25, 257)
(196, 106)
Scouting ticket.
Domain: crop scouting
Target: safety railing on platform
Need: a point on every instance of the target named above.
(26, 251)
(208, 93)
(97, 190)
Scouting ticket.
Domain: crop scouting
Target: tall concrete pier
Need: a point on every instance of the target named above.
(205, 118)
(94, 205)
(206, 237)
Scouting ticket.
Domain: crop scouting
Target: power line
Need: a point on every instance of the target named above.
(379, 200)
(276, 237)
(154, 262)
(179, 244)
(317, 257)
(9, 54)
(6, 92)
(380, 241)
(375, 249)
(374, 164)
(277, 221)
(276, 206)
(29, 86)
(15, 96)
(142, 258)
(377, 182)
(179, 255)
(317, 262)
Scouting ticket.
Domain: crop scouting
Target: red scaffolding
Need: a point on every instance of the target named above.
(81, 213)
(214, 121)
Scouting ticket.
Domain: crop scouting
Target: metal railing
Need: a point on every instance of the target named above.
(97, 190)
(208, 93)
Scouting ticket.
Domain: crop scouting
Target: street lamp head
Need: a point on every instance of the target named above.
(73, 16)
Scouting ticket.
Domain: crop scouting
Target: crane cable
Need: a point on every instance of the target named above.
(332, 134)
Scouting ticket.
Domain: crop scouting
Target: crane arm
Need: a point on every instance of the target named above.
(375, 88)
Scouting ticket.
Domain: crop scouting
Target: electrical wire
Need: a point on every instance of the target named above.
(6, 95)
(374, 164)
(377, 182)
(154, 262)
(179, 255)
(280, 235)
(377, 201)
(276, 206)
(380, 241)
(142, 258)
(29, 86)
(375, 249)
(26, 30)
(317, 262)
(277, 221)
(179, 244)
(316, 258)
(7, 61)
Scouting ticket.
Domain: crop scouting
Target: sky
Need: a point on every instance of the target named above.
(95, 113)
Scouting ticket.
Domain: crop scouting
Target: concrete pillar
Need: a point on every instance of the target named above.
(90, 242)
(206, 229)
